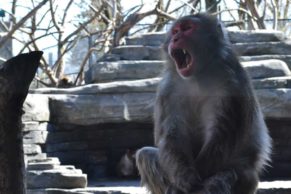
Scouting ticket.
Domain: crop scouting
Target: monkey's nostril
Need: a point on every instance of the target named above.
(175, 39)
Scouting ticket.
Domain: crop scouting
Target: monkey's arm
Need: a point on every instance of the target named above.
(227, 157)
(227, 137)
(176, 159)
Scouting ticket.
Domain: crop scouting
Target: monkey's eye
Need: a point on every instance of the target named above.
(175, 31)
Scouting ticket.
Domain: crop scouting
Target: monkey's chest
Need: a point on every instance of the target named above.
(189, 119)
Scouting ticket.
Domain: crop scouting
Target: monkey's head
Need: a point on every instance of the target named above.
(194, 42)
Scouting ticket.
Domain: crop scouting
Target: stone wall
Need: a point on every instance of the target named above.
(93, 125)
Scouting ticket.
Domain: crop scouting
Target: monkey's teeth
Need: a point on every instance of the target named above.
(184, 51)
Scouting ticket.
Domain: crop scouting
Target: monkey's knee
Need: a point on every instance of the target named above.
(146, 155)
(149, 169)
(147, 162)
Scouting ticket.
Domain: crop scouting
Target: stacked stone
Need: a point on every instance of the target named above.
(91, 126)
(42, 171)
(264, 54)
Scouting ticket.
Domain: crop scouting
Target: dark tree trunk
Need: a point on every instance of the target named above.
(16, 75)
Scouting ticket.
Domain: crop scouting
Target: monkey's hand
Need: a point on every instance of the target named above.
(177, 163)
(188, 180)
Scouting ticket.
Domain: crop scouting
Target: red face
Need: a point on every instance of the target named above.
(180, 45)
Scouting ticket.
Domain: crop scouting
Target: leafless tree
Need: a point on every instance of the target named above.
(109, 23)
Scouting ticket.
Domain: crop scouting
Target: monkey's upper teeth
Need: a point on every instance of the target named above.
(184, 51)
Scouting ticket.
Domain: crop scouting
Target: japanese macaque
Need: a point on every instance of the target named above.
(209, 131)
(126, 167)
(65, 82)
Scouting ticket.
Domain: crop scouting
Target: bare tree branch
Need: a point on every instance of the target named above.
(21, 22)
(132, 20)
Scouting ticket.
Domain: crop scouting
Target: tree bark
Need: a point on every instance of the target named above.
(16, 75)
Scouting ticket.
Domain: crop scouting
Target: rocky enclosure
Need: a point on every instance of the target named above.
(93, 125)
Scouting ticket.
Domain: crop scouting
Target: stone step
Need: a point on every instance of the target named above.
(35, 157)
(134, 70)
(35, 137)
(143, 52)
(266, 68)
(141, 85)
(60, 191)
(138, 52)
(263, 48)
(31, 149)
(43, 164)
(272, 83)
(149, 39)
(48, 166)
(148, 85)
(125, 70)
(245, 36)
(157, 38)
(56, 178)
(34, 126)
(138, 106)
(285, 58)
(274, 187)
(51, 160)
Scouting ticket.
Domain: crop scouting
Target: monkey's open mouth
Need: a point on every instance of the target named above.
(183, 61)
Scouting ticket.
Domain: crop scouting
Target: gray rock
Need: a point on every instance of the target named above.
(275, 103)
(110, 57)
(125, 70)
(121, 70)
(35, 137)
(285, 58)
(149, 39)
(266, 68)
(263, 48)
(33, 157)
(138, 52)
(59, 191)
(126, 107)
(157, 38)
(92, 109)
(272, 83)
(36, 108)
(127, 187)
(41, 166)
(30, 126)
(34, 126)
(247, 36)
(48, 164)
(143, 85)
(56, 178)
(31, 149)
